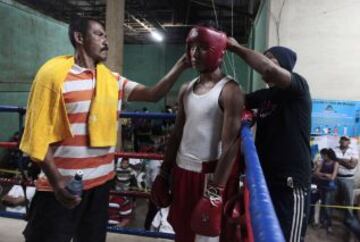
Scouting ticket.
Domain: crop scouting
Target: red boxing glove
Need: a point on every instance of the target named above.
(206, 217)
(160, 190)
(214, 40)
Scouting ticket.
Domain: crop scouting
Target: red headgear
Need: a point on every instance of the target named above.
(214, 40)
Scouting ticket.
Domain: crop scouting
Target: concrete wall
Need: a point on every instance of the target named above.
(326, 35)
(28, 39)
(147, 64)
(258, 42)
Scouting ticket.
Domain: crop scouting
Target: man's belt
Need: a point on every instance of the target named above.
(348, 175)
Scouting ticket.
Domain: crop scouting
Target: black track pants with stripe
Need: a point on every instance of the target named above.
(292, 208)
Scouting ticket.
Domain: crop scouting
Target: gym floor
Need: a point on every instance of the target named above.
(10, 231)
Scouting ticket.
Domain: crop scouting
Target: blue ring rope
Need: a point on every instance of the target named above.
(152, 115)
(265, 225)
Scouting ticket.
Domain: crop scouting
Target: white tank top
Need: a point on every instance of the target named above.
(203, 127)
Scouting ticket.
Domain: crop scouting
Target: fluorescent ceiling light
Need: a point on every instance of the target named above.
(157, 36)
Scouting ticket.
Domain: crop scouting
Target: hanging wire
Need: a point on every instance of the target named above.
(232, 35)
(215, 14)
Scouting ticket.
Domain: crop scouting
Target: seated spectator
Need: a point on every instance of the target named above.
(326, 174)
(120, 211)
(142, 132)
(123, 175)
(127, 133)
(15, 200)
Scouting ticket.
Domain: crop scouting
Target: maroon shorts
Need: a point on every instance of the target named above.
(187, 189)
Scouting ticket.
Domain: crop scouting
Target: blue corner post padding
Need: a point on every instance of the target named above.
(266, 227)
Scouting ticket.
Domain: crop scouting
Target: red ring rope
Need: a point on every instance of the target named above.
(9, 145)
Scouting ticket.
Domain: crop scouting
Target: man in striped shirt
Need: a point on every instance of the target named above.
(55, 214)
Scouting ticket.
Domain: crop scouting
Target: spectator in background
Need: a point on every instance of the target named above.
(15, 200)
(348, 160)
(120, 210)
(124, 174)
(168, 124)
(142, 133)
(326, 173)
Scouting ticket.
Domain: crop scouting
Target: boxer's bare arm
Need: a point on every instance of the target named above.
(232, 100)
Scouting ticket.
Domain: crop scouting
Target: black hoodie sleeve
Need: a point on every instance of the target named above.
(298, 86)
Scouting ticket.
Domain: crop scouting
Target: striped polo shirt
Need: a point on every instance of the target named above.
(74, 153)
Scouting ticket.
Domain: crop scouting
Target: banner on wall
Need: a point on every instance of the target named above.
(335, 117)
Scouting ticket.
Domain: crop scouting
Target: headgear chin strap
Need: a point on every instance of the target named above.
(214, 40)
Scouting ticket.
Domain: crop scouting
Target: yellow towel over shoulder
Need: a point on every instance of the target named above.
(46, 118)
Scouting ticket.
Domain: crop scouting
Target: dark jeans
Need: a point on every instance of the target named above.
(49, 221)
(327, 198)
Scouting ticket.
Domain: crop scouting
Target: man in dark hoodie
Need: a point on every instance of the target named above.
(283, 133)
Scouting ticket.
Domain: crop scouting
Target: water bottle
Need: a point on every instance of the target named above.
(75, 186)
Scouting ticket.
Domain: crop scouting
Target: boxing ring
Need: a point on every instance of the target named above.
(261, 221)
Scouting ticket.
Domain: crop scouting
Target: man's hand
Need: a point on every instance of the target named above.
(232, 44)
(63, 196)
(348, 163)
(11, 201)
(326, 176)
(270, 71)
(183, 62)
(58, 182)
(353, 162)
